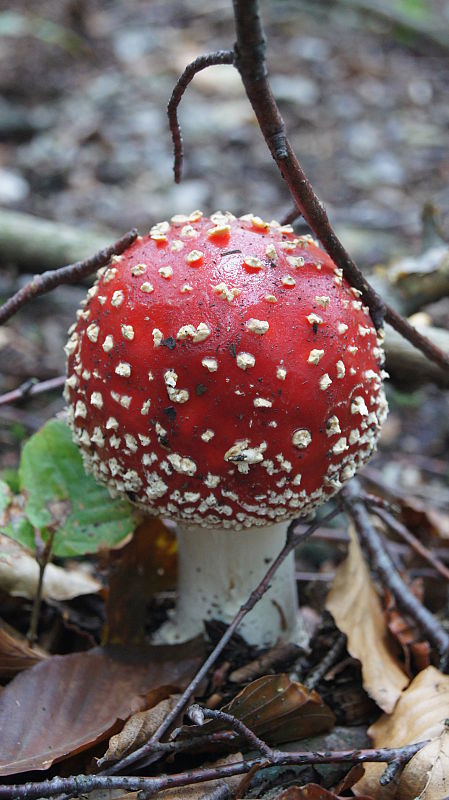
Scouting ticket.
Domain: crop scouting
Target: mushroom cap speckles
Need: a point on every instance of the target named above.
(239, 393)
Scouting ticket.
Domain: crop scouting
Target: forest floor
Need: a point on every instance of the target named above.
(84, 141)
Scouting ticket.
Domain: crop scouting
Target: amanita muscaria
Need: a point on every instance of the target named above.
(224, 374)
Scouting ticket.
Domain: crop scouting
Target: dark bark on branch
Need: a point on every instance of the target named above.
(250, 62)
(81, 784)
(41, 284)
(403, 532)
(382, 565)
(202, 62)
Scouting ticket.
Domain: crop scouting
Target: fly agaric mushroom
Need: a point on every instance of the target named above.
(224, 374)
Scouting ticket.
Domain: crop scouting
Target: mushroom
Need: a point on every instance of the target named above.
(224, 374)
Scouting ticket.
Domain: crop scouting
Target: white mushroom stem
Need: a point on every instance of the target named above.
(218, 569)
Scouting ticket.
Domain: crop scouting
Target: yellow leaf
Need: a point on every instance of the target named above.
(419, 715)
(356, 608)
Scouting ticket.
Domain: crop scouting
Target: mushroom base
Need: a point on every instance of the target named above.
(218, 570)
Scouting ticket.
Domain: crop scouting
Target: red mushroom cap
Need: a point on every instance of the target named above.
(223, 372)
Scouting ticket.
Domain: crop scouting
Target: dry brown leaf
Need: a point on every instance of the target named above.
(419, 715)
(16, 653)
(146, 565)
(406, 632)
(275, 708)
(67, 704)
(356, 609)
(281, 710)
(19, 575)
(424, 520)
(137, 730)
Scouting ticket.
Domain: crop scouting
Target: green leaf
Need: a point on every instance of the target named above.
(60, 495)
(5, 496)
(13, 522)
(11, 478)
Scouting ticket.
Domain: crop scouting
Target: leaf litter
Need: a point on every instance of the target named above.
(421, 713)
(66, 704)
(357, 611)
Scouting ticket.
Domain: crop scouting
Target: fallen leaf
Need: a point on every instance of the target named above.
(137, 730)
(16, 653)
(419, 715)
(68, 703)
(281, 710)
(357, 611)
(424, 520)
(143, 567)
(406, 632)
(19, 575)
(275, 708)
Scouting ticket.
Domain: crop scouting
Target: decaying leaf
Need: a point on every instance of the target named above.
(281, 710)
(419, 715)
(137, 730)
(356, 608)
(406, 632)
(19, 575)
(16, 653)
(68, 703)
(146, 565)
(424, 520)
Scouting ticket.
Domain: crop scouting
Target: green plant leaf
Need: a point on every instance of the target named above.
(11, 478)
(5, 496)
(59, 494)
(13, 522)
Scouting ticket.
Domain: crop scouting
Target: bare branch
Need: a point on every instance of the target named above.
(404, 533)
(30, 388)
(198, 715)
(200, 63)
(327, 662)
(250, 62)
(81, 784)
(403, 326)
(41, 284)
(381, 563)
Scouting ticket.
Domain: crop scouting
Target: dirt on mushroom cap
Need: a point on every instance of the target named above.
(223, 372)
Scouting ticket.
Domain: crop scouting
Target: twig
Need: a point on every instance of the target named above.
(200, 63)
(30, 388)
(400, 529)
(81, 784)
(293, 540)
(281, 655)
(43, 554)
(250, 62)
(326, 663)
(383, 566)
(198, 714)
(417, 339)
(41, 284)
(249, 59)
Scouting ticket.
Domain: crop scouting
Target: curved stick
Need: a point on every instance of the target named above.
(41, 284)
(200, 63)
